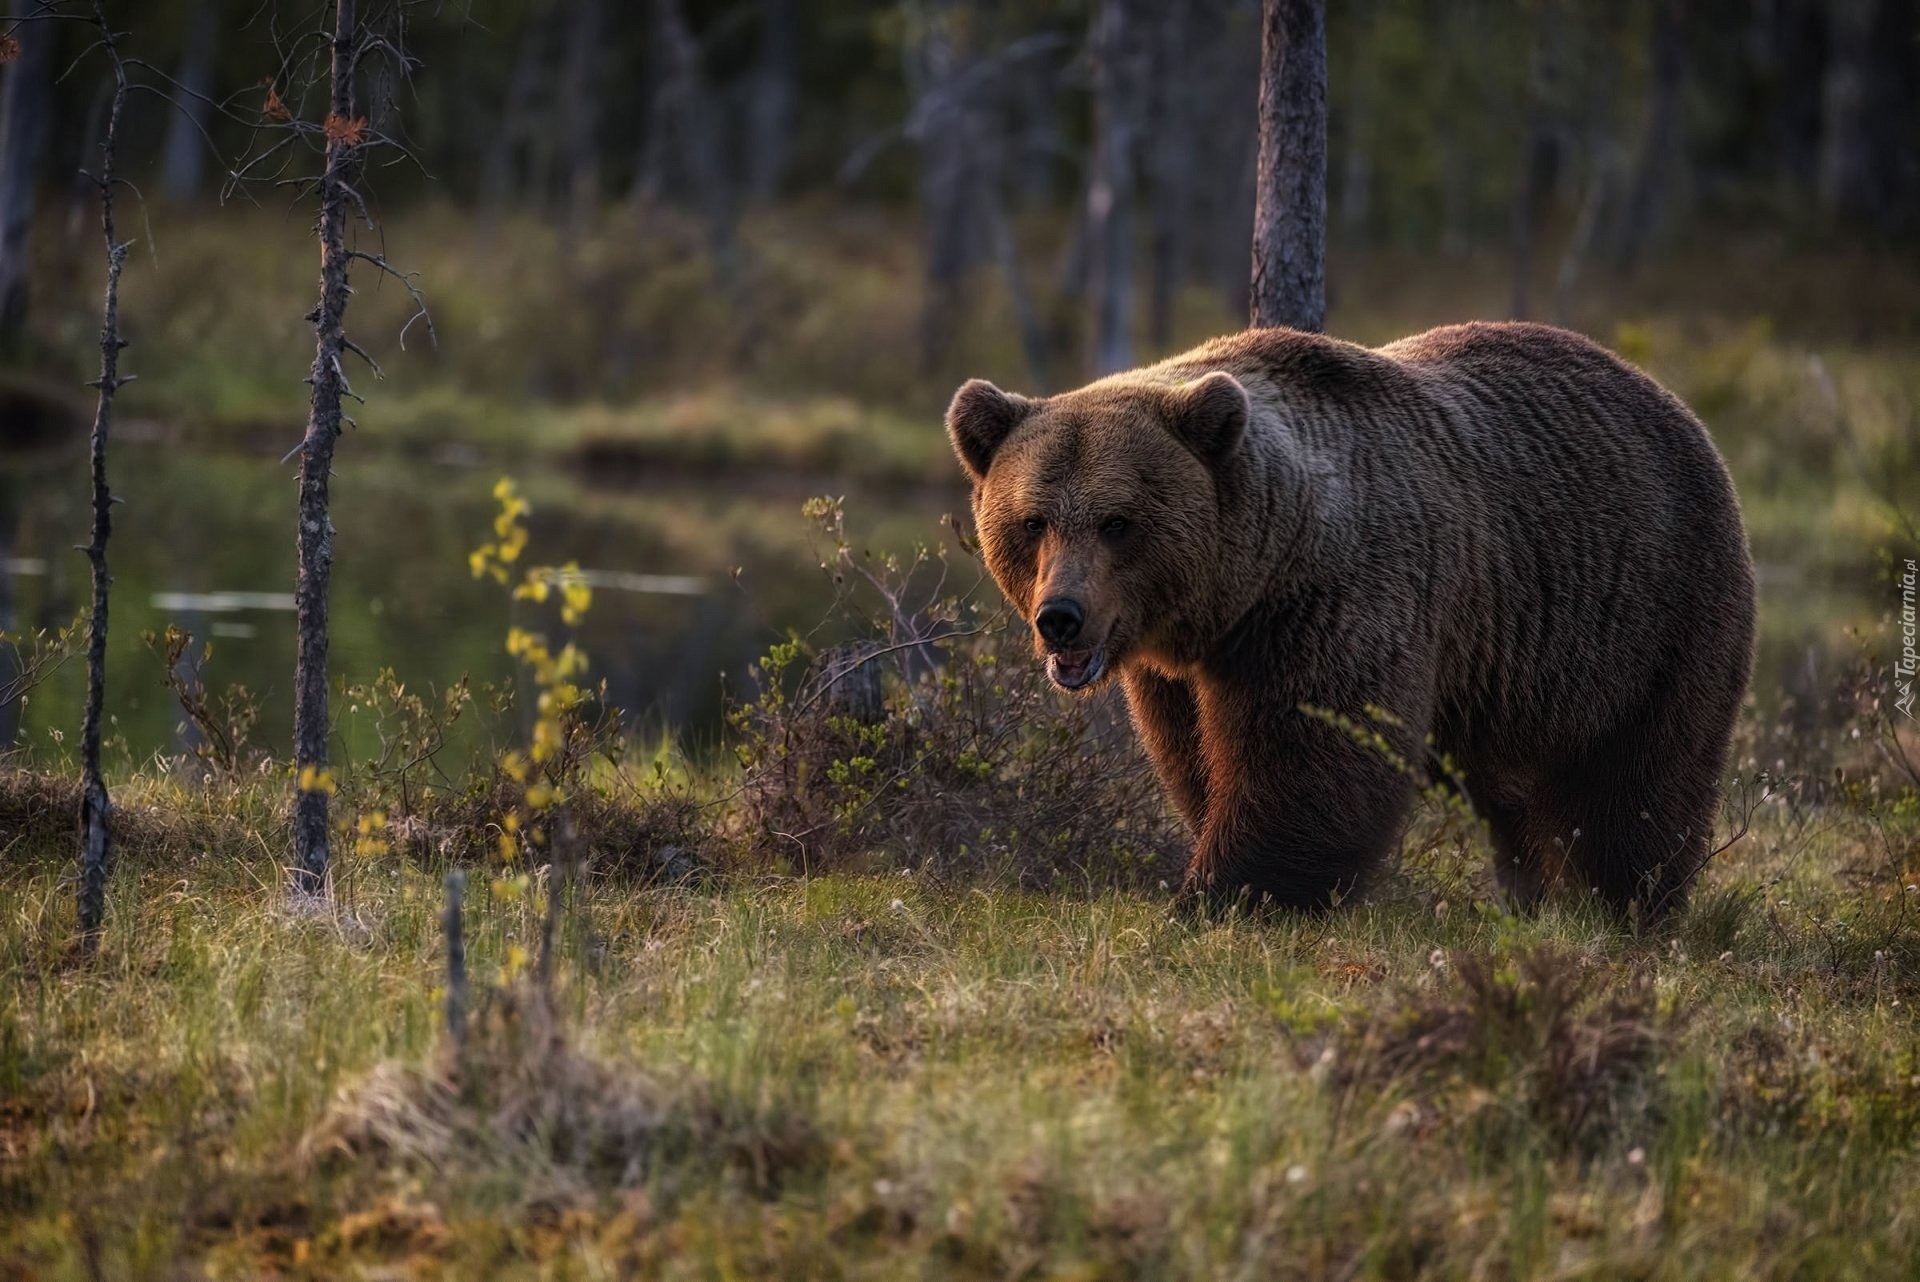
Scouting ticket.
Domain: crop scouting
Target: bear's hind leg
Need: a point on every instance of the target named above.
(1636, 818)
(1524, 860)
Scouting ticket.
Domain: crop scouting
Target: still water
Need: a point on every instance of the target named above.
(692, 580)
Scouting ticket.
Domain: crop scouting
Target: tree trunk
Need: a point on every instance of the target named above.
(315, 536)
(1867, 158)
(183, 157)
(1290, 214)
(96, 809)
(500, 174)
(1646, 200)
(1116, 85)
(1790, 53)
(1172, 149)
(695, 120)
(951, 181)
(26, 90)
(579, 86)
(775, 90)
(1033, 334)
(1601, 167)
(1580, 243)
(1539, 156)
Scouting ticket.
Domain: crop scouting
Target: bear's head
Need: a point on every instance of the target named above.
(1098, 511)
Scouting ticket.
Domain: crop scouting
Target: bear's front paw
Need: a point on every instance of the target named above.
(1204, 898)
(1190, 901)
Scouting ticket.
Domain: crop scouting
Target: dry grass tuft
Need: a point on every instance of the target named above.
(517, 1103)
(1539, 1028)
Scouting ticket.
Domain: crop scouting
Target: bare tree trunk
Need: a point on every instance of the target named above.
(96, 809)
(1660, 152)
(951, 181)
(500, 171)
(315, 535)
(183, 156)
(1290, 216)
(579, 84)
(1459, 26)
(1580, 243)
(1172, 152)
(1849, 179)
(1116, 86)
(775, 90)
(1602, 165)
(26, 90)
(1539, 156)
(1033, 334)
(696, 121)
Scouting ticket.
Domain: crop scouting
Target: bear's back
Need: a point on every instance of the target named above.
(1605, 540)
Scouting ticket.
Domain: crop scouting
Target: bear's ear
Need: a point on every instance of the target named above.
(979, 420)
(1209, 414)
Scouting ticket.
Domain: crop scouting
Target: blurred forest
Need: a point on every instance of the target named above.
(685, 257)
(1040, 165)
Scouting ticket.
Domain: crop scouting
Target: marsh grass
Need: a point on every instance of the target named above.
(863, 1074)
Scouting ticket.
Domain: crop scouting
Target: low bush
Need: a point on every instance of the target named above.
(933, 742)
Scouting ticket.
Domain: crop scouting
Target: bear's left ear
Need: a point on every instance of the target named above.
(1209, 415)
(979, 420)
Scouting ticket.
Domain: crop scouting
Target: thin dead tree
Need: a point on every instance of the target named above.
(315, 539)
(344, 138)
(96, 808)
(95, 856)
(1290, 213)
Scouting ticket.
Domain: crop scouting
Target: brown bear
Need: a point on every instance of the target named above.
(1317, 568)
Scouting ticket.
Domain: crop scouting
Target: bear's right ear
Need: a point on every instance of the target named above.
(979, 420)
(1209, 414)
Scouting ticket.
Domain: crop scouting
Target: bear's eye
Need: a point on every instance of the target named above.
(1035, 524)
(1114, 528)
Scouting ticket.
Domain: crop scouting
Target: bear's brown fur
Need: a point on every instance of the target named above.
(1523, 550)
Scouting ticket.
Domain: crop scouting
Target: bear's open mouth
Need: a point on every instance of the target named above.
(1071, 669)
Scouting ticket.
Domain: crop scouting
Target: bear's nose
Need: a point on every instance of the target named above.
(1059, 620)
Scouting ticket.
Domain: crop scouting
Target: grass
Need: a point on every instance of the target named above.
(871, 1075)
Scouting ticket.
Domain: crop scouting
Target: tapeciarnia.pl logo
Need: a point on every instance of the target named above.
(1909, 661)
